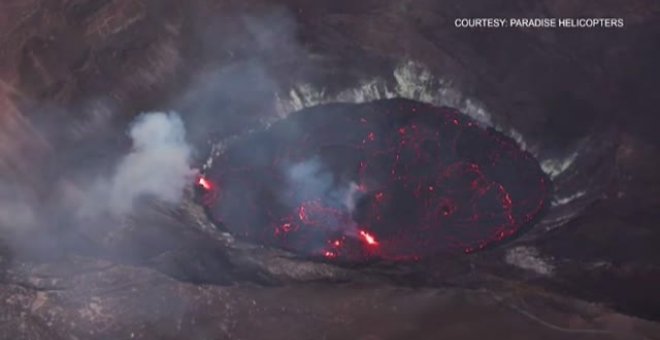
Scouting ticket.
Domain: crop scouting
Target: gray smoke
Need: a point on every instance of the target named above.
(15, 211)
(242, 93)
(88, 189)
(90, 193)
(310, 180)
(158, 166)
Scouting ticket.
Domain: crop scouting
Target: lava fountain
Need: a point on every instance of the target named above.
(387, 180)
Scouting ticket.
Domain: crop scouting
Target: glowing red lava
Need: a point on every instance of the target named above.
(206, 190)
(204, 183)
(368, 238)
(392, 179)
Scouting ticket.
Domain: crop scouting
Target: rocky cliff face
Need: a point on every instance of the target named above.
(73, 73)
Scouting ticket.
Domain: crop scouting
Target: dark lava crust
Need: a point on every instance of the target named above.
(391, 179)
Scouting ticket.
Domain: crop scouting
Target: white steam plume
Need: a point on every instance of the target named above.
(157, 166)
(309, 180)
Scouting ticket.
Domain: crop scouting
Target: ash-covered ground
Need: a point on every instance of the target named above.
(110, 111)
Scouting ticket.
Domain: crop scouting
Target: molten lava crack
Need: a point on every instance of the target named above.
(392, 179)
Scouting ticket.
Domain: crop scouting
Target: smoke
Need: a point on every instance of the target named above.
(158, 165)
(310, 180)
(15, 212)
(351, 197)
(91, 187)
(86, 185)
(307, 181)
(238, 88)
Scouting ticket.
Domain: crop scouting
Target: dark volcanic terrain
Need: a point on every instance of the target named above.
(74, 73)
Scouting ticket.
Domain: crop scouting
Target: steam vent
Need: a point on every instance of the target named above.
(392, 179)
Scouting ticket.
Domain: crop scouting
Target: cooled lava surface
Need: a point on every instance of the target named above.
(393, 180)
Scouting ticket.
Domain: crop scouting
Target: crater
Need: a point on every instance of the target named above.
(394, 180)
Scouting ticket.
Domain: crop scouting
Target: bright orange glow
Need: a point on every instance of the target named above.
(370, 239)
